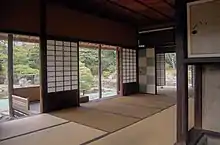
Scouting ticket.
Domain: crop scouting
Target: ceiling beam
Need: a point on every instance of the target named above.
(169, 4)
(101, 13)
(132, 11)
(153, 9)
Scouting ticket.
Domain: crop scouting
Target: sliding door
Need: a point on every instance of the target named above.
(109, 73)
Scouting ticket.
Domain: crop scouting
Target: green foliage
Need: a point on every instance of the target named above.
(25, 57)
(106, 74)
(170, 59)
(89, 66)
(3, 56)
(21, 69)
(90, 58)
(108, 61)
(86, 77)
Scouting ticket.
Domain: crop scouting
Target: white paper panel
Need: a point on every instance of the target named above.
(59, 89)
(51, 84)
(59, 43)
(62, 65)
(50, 90)
(50, 68)
(66, 88)
(50, 42)
(65, 43)
(59, 78)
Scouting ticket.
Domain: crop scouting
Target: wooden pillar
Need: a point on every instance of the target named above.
(100, 70)
(43, 56)
(10, 73)
(118, 70)
(182, 72)
(121, 72)
(137, 70)
(198, 96)
(78, 76)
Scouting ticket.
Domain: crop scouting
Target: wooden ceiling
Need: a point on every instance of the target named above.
(135, 12)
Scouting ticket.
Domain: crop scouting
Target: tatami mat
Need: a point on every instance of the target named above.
(65, 134)
(94, 118)
(29, 124)
(137, 106)
(123, 109)
(159, 129)
(146, 100)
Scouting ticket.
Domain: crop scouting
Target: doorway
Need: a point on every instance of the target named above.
(26, 75)
(4, 99)
(167, 75)
(98, 71)
(19, 76)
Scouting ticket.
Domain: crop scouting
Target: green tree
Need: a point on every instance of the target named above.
(90, 58)
(3, 57)
(26, 59)
(86, 77)
(34, 56)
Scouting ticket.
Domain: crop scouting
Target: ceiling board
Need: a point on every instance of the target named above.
(134, 12)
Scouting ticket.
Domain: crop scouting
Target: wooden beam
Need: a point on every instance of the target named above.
(43, 56)
(182, 72)
(169, 4)
(132, 11)
(153, 9)
(198, 97)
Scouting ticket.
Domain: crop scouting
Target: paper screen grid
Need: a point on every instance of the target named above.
(129, 65)
(62, 66)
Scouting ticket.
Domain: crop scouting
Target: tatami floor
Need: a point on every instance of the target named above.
(138, 119)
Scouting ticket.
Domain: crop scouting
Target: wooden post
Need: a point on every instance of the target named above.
(78, 75)
(121, 71)
(182, 72)
(198, 97)
(43, 56)
(10, 73)
(118, 70)
(100, 70)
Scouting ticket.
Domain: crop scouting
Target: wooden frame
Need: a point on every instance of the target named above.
(100, 71)
(182, 75)
(198, 97)
(189, 32)
(10, 73)
(43, 57)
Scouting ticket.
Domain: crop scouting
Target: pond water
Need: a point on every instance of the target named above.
(4, 104)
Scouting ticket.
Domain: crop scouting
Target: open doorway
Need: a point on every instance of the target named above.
(109, 72)
(89, 70)
(98, 71)
(19, 76)
(26, 75)
(4, 101)
(167, 75)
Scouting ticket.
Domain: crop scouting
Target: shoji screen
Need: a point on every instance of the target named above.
(161, 80)
(129, 71)
(62, 70)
